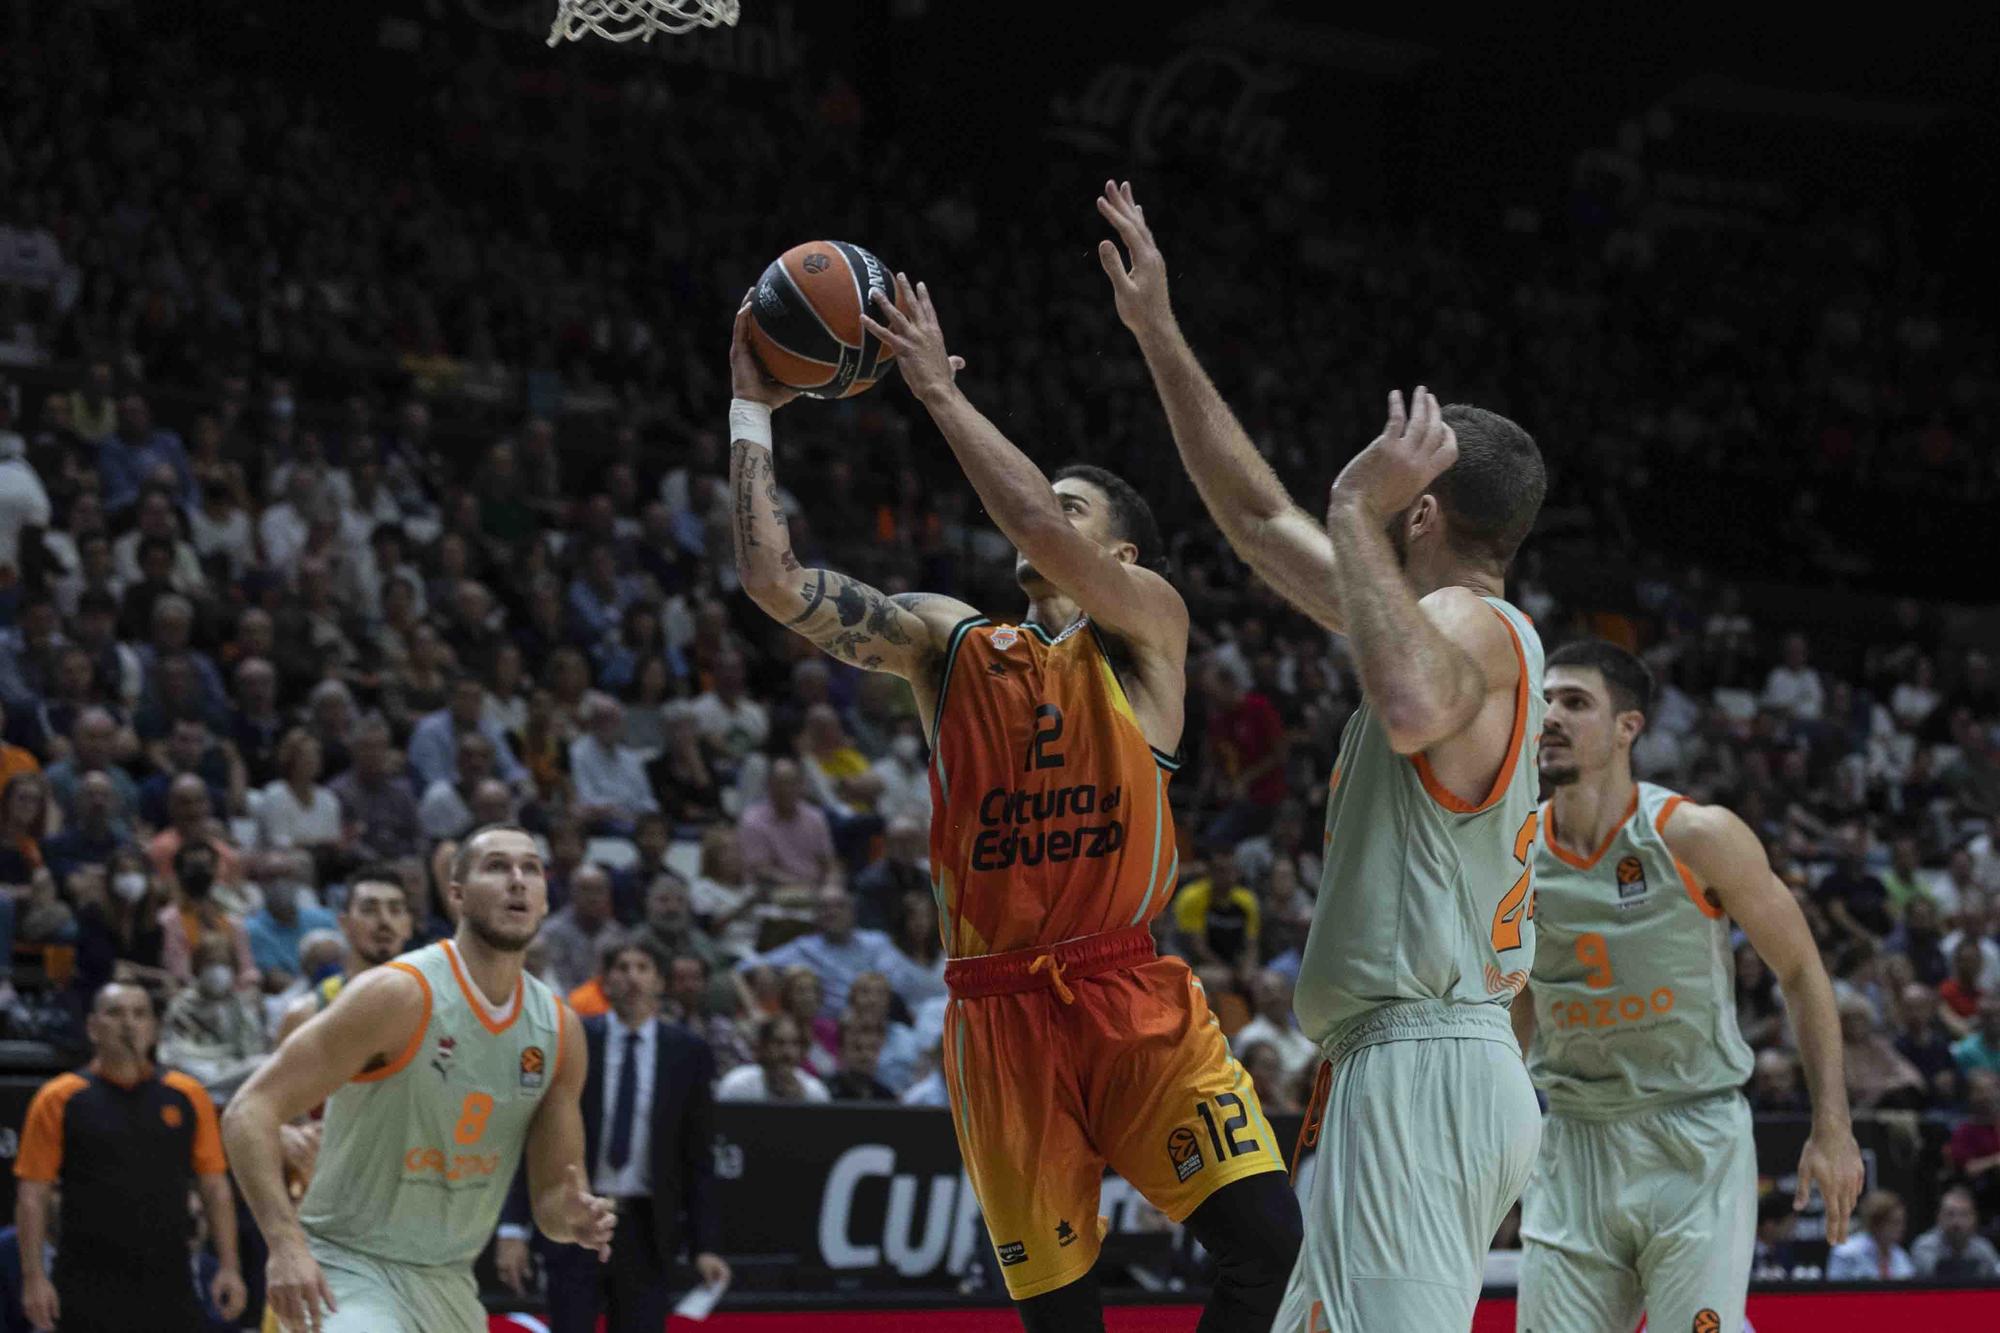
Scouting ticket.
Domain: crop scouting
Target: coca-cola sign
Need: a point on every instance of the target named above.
(1201, 102)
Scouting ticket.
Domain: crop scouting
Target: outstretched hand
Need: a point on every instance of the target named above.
(909, 328)
(1139, 290)
(592, 1220)
(1412, 451)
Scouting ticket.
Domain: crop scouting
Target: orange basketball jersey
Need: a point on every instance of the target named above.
(1051, 817)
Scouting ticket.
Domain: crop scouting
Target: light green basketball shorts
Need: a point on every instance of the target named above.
(377, 1296)
(1654, 1212)
(1423, 1149)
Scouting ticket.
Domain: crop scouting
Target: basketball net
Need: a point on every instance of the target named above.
(622, 20)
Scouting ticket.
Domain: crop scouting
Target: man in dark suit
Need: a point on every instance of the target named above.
(648, 1115)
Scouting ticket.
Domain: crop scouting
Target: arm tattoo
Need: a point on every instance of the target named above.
(848, 618)
(814, 593)
(755, 466)
(746, 518)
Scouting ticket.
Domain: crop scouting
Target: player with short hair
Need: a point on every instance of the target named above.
(439, 1069)
(1644, 1195)
(1422, 932)
(375, 920)
(376, 923)
(1068, 1044)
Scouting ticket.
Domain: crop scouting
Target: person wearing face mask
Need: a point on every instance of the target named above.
(194, 915)
(905, 778)
(117, 922)
(291, 909)
(213, 1029)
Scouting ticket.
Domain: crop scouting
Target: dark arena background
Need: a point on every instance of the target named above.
(352, 351)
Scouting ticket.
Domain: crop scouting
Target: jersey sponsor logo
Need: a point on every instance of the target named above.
(1707, 1321)
(172, 1116)
(1013, 1252)
(532, 1061)
(1005, 840)
(441, 1060)
(1184, 1151)
(1003, 639)
(422, 1162)
(1065, 1234)
(1610, 1011)
(1631, 882)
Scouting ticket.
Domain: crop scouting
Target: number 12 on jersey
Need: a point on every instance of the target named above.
(1236, 1147)
(1518, 904)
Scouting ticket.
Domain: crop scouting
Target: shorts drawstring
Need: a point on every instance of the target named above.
(1055, 970)
(1315, 1113)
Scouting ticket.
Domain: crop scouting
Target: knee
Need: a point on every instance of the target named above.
(1260, 1245)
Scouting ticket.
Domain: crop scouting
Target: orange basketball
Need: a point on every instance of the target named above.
(805, 319)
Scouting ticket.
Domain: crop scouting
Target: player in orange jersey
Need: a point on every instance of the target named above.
(1068, 1045)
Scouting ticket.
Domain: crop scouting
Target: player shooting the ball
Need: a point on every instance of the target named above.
(1068, 1044)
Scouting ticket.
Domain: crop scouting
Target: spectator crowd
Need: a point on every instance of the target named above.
(256, 637)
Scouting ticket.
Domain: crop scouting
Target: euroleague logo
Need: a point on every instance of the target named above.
(531, 1067)
(1707, 1321)
(1184, 1151)
(817, 262)
(172, 1115)
(1631, 882)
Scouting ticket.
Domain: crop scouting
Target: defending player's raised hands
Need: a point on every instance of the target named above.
(1139, 290)
(747, 377)
(592, 1219)
(1412, 451)
(909, 326)
(1835, 1166)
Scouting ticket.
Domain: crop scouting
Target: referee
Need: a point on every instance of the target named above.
(126, 1140)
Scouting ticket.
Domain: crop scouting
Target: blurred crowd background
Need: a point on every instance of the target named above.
(351, 496)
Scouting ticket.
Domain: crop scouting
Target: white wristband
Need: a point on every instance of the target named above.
(749, 421)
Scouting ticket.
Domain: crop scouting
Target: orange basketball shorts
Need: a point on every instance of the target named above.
(1067, 1059)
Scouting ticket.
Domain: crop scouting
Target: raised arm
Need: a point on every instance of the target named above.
(903, 635)
(1729, 862)
(1428, 667)
(1283, 543)
(1126, 598)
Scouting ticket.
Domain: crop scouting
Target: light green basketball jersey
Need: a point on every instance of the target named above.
(1634, 982)
(1424, 896)
(417, 1156)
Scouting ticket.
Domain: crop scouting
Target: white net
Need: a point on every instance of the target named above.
(622, 20)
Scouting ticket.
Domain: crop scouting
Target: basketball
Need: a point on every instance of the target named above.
(805, 319)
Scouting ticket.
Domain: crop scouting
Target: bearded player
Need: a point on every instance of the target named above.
(438, 1070)
(1644, 1194)
(1422, 933)
(1068, 1045)
(376, 923)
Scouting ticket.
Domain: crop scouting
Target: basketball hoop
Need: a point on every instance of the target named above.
(622, 20)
